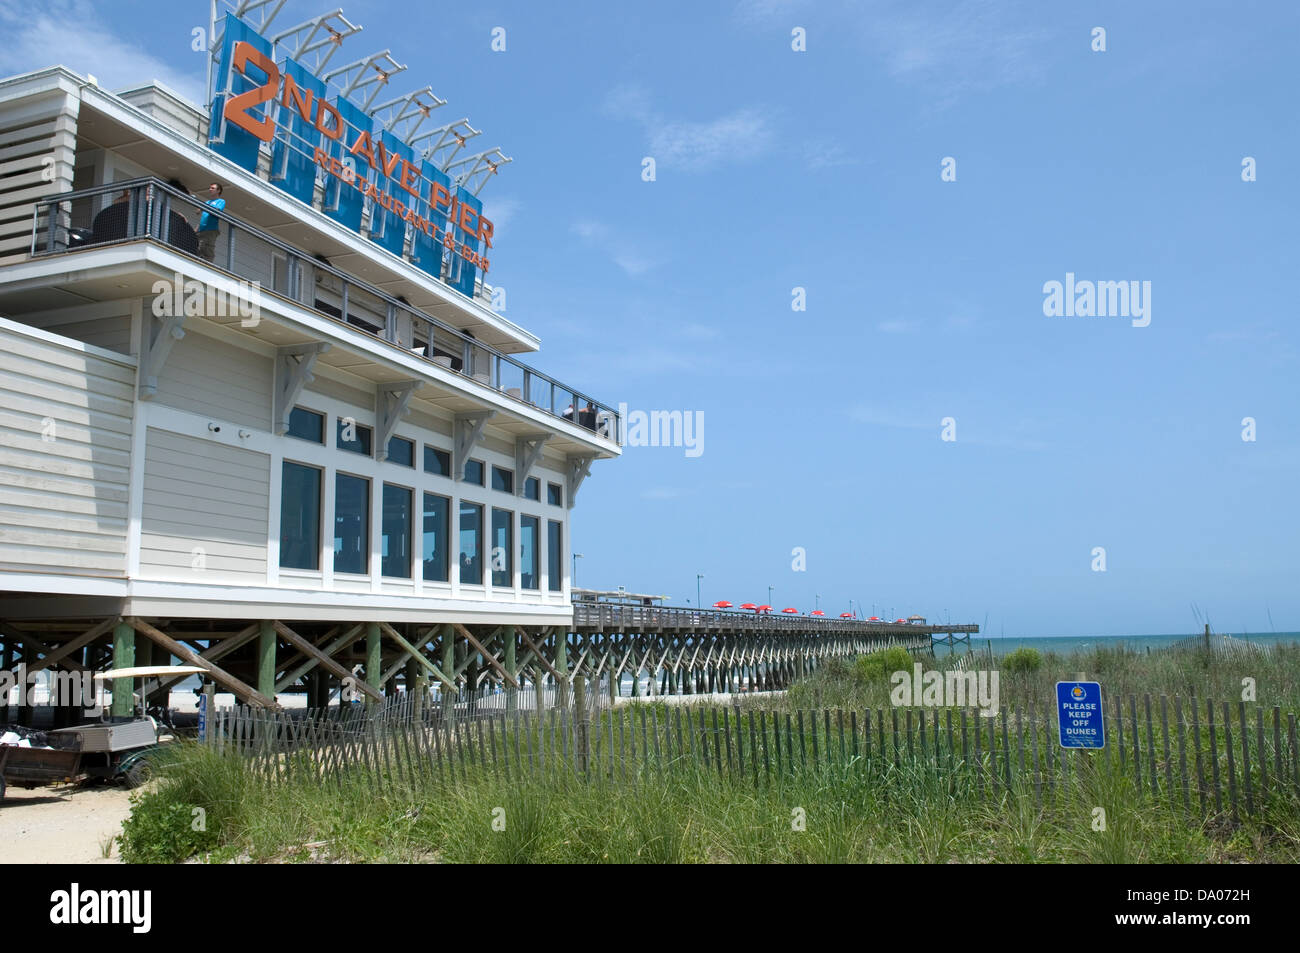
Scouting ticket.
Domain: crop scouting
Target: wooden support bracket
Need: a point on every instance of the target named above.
(293, 372)
(394, 399)
(161, 338)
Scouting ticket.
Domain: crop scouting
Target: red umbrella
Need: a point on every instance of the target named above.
(764, 608)
(791, 610)
(900, 620)
(722, 604)
(748, 605)
(817, 612)
(846, 615)
(874, 618)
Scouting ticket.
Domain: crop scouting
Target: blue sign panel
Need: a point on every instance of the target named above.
(224, 137)
(1078, 707)
(293, 163)
(203, 716)
(462, 272)
(387, 222)
(343, 199)
(427, 251)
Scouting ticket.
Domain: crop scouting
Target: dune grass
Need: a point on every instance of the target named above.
(850, 812)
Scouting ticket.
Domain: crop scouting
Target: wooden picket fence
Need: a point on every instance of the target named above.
(1221, 760)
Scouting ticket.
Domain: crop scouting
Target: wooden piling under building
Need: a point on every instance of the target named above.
(677, 651)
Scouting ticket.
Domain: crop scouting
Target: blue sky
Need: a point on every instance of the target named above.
(820, 169)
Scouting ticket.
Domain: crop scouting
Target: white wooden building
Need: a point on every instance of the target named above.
(303, 456)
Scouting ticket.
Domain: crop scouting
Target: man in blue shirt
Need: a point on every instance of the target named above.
(210, 225)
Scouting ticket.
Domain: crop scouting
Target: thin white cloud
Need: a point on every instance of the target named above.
(664, 493)
(631, 259)
(1020, 435)
(956, 46)
(701, 332)
(897, 326)
(691, 145)
(764, 11)
(501, 210)
(825, 155)
(697, 146)
(77, 34)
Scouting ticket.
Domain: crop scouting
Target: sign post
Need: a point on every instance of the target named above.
(1078, 711)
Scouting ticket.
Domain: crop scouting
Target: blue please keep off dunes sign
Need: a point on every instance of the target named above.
(1078, 708)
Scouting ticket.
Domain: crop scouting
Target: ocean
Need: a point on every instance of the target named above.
(1064, 645)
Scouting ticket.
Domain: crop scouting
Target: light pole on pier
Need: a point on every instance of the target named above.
(576, 557)
(818, 603)
(698, 603)
(769, 594)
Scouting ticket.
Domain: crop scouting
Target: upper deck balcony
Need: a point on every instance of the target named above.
(68, 230)
(66, 128)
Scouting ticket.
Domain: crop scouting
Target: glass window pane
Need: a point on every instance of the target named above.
(353, 436)
(437, 461)
(401, 451)
(502, 549)
(396, 527)
(554, 494)
(503, 480)
(351, 524)
(307, 425)
(471, 539)
(299, 517)
(532, 488)
(436, 514)
(554, 557)
(474, 472)
(528, 554)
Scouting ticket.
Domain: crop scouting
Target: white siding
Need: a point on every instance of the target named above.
(93, 324)
(65, 455)
(219, 380)
(203, 495)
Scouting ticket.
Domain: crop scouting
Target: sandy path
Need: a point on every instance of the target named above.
(61, 825)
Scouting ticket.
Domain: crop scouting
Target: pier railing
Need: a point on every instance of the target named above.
(150, 210)
(606, 616)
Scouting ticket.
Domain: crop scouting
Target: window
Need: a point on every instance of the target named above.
(401, 451)
(299, 517)
(471, 541)
(533, 488)
(437, 461)
(353, 436)
(554, 557)
(474, 472)
(503, 480)
(503, 574)
(307, 425)
(437, 513)
(395, 557)
(351, 524)
(555, 494)
(528, 554)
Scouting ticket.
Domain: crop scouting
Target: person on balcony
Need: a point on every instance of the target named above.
(210, 225)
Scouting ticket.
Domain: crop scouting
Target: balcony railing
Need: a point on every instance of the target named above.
(149, 209)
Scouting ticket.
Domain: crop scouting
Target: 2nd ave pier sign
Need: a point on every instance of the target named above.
(1078, 708)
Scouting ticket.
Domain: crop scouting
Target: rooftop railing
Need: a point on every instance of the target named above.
(151, 210)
